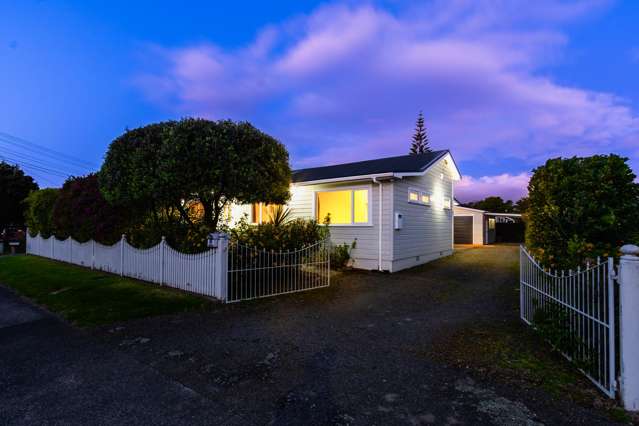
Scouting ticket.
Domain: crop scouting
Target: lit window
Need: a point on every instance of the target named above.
(491, 223)
(263, 213)
(345, 207)
(360, 206)
(447, 203)
(416, 196)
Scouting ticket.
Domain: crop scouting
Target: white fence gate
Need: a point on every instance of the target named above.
(202, 273)
(255, 273)
(575, 311)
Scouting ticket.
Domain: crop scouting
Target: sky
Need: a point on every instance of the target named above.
(504, 85)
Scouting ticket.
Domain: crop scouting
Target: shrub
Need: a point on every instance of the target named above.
(82, 212)
(292, 235)
(581, 208)
(341, 254)
(39, 212)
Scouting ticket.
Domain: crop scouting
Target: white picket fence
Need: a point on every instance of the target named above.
(575, 310)
(202, 273)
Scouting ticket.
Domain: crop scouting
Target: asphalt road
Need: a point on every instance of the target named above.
(356, 353)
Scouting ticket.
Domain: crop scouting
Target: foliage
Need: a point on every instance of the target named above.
(181, 175)
(581, 208)
(419, 144)
(14, 188)
(341, 254)
(90, 298)
(493, 205)
(280, 216)
(39, 211)
(82, 212)
(522, 205)
(292, 235)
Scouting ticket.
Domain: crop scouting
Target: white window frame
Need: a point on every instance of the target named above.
(420, 193)
(368, 188)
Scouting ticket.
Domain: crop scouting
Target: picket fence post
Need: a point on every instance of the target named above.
(122, 240)
(52, 246)
(92, 254)
(629, 326)
(162, 243)
(221, 265)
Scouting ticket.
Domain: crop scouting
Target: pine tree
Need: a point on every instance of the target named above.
(420, 139)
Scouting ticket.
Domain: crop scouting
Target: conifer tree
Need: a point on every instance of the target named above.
(420, 139)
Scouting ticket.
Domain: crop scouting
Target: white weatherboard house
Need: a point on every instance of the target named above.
(398, 210)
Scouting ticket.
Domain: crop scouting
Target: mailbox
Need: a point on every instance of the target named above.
(399, 221)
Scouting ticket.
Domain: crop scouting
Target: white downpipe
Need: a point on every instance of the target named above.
(379, 248)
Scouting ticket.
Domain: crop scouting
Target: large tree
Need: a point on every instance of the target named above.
(14, 188)
(581, 208)
(419, 144)
(174, 165)
(82, 212)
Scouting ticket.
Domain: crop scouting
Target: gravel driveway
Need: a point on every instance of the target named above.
(363, 351)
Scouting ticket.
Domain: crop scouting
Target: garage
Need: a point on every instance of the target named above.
(463, 229)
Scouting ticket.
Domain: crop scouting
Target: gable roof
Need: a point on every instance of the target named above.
(401, 165)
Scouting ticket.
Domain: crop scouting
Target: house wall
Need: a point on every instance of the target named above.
(478, 222)
(427, 232)
(366, 252)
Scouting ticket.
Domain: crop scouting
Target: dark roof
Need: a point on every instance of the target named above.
(402, 164)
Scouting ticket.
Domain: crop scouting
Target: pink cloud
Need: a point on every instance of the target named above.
(345, 83)
(507, 186)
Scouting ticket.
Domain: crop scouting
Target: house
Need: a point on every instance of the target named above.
(473, 226)
(398, 210)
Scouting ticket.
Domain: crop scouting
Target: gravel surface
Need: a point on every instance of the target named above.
(359, 352)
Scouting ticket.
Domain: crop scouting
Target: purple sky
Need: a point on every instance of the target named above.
(504, 85)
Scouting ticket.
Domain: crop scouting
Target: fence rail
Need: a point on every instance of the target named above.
(255, 273)
(202, 273)
(575, 311)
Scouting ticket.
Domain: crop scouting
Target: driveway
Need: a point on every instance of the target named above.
(365, 351)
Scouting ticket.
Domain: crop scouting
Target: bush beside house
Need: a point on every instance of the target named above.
(581, 208)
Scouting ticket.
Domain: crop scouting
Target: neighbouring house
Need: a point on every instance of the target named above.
(398, 210)
(473, 226)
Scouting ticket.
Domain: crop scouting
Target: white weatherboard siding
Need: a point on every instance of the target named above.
(366, 252)
(427, 231)
(478, 222)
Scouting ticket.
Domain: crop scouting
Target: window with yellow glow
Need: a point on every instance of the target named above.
(360, 206)
(447, 203)
(415, 196)
(345, 207)
(263, 213)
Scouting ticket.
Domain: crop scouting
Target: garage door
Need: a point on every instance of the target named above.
(463, 229)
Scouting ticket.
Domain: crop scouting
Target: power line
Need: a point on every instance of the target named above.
(25, 144)
(35, 166)
(28, 157)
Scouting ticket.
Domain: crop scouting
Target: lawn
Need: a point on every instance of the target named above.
(89, 298)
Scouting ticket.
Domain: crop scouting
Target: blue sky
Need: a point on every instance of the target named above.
(503, 84)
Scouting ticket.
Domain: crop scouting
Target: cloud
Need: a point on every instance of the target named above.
(345, 83)
(507, 186)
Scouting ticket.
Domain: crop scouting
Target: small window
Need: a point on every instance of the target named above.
(447, 203)
(344, 207)
(416, 196)
(491, 223)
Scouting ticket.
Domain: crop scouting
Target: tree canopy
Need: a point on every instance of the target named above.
(39, 211)
(581, 208)
(15, 186)
(82, 212)
(190, 170)
(419, 143)
(493, 204)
